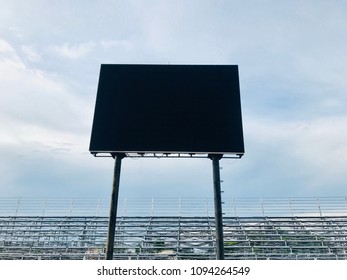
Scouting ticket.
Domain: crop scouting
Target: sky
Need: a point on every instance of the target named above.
(292, 58)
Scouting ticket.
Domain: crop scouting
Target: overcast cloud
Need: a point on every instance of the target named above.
(293, 65)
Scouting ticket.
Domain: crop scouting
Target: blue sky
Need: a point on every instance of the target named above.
(292, 58)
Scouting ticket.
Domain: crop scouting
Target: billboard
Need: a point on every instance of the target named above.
(183, 109)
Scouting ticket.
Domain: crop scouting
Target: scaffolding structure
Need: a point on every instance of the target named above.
(276, 228)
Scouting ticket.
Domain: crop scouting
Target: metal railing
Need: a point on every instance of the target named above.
(232, 207)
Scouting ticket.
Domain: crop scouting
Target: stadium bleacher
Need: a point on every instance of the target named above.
(66, 229)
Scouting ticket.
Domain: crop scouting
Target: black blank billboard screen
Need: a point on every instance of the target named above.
(168, 109)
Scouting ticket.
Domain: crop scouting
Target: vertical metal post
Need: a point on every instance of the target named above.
(218, 206)
(113, 207)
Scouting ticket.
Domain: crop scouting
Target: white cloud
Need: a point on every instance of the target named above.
(31, 53)
(44, 128)
(9, 60)
(74, 51)
(295, 157)
(5, 48)
(35, 107)
(109, 44)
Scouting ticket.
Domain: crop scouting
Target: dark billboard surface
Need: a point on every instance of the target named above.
(168, 109)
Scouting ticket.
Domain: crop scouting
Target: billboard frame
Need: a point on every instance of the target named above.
(206, 101)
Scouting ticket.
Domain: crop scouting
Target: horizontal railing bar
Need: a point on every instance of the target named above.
(240, 207)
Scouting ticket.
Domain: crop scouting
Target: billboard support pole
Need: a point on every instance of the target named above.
(113, 207)
(218, 206)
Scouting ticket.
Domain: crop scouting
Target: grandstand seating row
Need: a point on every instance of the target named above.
(173, 237)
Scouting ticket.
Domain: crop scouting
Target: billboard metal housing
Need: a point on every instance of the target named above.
(169, 109)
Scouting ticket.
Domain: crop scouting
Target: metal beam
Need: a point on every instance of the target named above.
(218, 206)
(114, 204)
